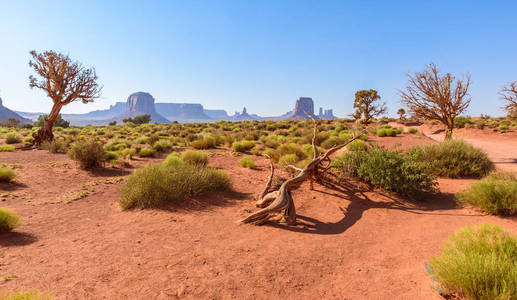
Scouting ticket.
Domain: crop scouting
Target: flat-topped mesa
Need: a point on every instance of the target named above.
(304, 106)
(140, 103)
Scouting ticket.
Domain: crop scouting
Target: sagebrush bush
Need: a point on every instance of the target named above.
(195, 157)
(7, 148)
(89, 153)
(8, 220)
(204, 143)
(455, 158)
(57, 145)
(495, 194)
(243, 146)
(392, 170)
(13, 138)
(147, 152)
(478, 263)
(157, 185)
(7, 174)
(247, 162)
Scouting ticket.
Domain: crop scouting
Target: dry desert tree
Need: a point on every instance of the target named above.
(433, 96)
(509, 95)
(64, 81)
(281, 200)
(367, 106)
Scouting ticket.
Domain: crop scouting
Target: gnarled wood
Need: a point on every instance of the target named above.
(281, 200)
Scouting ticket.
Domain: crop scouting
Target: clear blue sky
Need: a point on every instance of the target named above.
(260, 54)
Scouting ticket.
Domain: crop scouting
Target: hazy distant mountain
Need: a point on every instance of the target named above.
(141, 103)
(6, 113)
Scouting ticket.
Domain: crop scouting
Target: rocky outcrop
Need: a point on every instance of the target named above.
(6, 113)
(183, 112)
(243, 116)
(138, 104)
(326, 114)
(304, 106)
(216, 114)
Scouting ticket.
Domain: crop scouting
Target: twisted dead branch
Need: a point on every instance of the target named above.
(281, 200)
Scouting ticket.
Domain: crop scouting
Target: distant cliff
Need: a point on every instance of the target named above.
(182, 111)
(140, 103)
(6, 113)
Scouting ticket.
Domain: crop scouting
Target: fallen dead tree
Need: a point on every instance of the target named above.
(280, 201)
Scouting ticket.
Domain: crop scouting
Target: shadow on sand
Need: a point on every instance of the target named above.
(13, 239)
(360, 202)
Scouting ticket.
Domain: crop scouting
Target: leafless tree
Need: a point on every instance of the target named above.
(64, 81)
(509, 95)
(433, 96)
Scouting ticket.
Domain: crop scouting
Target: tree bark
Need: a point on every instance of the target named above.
(45, 133)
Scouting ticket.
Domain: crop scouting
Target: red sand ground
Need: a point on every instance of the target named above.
(350, 243)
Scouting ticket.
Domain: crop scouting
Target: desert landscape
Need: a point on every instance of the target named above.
(258, 150)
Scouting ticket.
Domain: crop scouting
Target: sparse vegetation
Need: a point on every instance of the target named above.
(195, 157)
(34, 295)
(392, 170)
(8, 220)
(496, 194)
(247, 162)
(478, 263)
(171, 183)
(455, 158)
(88, 153)
(7, 174)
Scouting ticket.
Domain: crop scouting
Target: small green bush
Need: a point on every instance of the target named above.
(496, 194)
(204, 143)
(288, 159)
(57, 145)
(7, 148)
(7, 174)
(243, 146)
(455, 158)
(478, 263)
(13, 138)
(147, 152)
(162, 146)
(195, 157)
(157, 185)
(386, 132)
(247, 162)
(392, 170)
(8, 220)
(88, 153)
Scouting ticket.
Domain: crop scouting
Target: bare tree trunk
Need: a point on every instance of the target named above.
(448, 133)
(45, 132)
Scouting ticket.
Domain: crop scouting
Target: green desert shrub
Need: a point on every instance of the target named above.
(57, 145)
(157, 185)
(288, 159)
(35, 295)
(7, 148)
(391, 170)
(204, 143)
(478, 263)
(162, 146)
(89, 153)
(495, 194)
(13, 138)
(455, 158)
(7, 174)
(243, 146)
(386, 132)
(147, 152)
(8, 220)
(195, 157)
(247, 162)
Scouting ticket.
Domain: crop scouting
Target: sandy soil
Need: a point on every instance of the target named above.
(351, 242)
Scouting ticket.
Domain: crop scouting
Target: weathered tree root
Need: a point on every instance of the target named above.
(281, 200)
